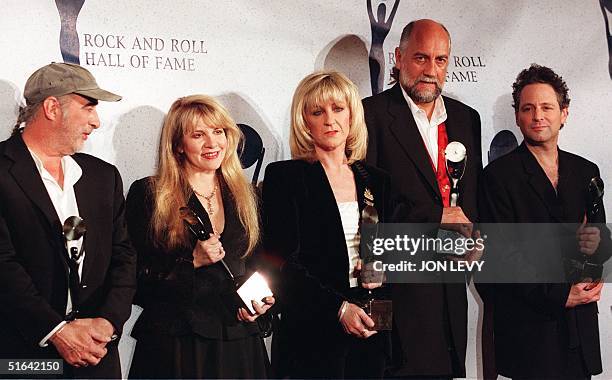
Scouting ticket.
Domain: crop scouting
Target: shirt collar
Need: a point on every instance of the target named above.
(439, 113)
(72, 170)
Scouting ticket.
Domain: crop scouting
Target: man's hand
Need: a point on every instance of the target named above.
(588, 238)
(370, 278)
(102, 330)
(356, 322)
(75, 343)
(583, 293)
(454, 219)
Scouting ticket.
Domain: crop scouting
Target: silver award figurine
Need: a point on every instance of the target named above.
(380, 310)
(593, 271)
(455, 156)
(73, 229)
(583, 269)
(254, 288)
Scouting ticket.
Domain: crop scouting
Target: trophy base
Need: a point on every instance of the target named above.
(583, 271)
(381, 312)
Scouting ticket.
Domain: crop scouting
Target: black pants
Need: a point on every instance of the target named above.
(354, 358)
(575, 370)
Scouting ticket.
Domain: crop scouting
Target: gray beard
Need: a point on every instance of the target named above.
(423, 96)
(420, 96)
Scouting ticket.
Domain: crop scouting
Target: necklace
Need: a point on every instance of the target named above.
(209, 206)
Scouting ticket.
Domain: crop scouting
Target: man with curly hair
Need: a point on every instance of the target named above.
(545, 330)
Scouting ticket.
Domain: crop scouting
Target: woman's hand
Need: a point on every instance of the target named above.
(208, 252)
(355, 321)
(260, 308)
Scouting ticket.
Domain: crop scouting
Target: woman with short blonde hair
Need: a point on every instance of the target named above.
(318, 88)
(314, 205)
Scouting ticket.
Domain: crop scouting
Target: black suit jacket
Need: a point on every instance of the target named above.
(431, 315)
(533, 329)
(33, 270)
(303, 230)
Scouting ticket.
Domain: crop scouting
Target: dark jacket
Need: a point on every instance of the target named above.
(533, 329)
(33, 268)
(303, 230)
(434, 315)
(178, 299)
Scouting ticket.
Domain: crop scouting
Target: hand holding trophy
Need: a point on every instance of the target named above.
(379, 310)
(455, 156)
(456, 159)
(254, 289)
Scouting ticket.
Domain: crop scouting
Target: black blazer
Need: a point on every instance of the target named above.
(33, 271)
(303, 230)
(176, 298)
(434, 315)
(533, 329)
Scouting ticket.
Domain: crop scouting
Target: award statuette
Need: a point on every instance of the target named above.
(594, 271)
(380, 310)
(595, 197)
(455, 156)
(584, 270)
(253, 288)
(73, 229)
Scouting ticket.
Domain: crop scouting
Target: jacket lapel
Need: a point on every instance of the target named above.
(26, 175)
(323, 194)
(405, 130)
(360, 185)
(84, 191)
(540, 184)
(572, 193)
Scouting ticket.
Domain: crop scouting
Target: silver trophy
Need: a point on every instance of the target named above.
(73, 229)
(455, 156)
(456, 159)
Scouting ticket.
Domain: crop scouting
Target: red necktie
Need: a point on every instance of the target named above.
(441, 174)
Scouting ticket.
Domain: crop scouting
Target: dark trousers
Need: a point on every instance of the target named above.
(575, 370)
(353, 359)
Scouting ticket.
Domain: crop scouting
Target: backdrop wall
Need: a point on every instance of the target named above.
(252, 54)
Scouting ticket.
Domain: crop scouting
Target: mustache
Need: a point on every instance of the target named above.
(426, 79)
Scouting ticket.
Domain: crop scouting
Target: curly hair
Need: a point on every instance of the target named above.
(540, 74)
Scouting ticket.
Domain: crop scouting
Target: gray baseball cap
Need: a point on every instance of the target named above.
(58, 79)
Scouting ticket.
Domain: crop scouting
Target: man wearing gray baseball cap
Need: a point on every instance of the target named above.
(67, 269)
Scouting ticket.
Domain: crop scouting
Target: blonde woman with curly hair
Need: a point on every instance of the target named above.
(313, 206)
(192, 326)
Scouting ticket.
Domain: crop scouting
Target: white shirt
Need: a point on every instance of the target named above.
(428, 128)
(65, 204)
(349, 213)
